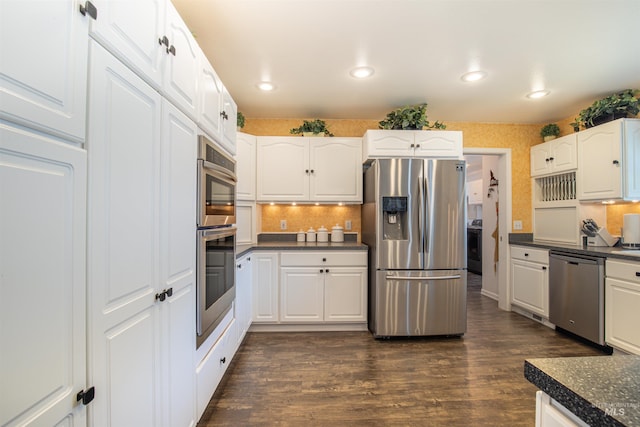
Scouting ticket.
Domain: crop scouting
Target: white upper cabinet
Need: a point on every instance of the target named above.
(181, 65)
(555, 156)
(150, 37)
(409, 143)
(609, 161)
(43, 66)
(229, 122)
(246, 167)
(132, 31)
(211, 93)
(309, 169)
(43, 187)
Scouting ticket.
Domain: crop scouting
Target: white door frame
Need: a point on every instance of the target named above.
(504, 219)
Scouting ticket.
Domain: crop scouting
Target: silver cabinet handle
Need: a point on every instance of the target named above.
(455, 276)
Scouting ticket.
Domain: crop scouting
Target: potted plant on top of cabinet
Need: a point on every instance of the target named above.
(240, 120)
(412, 117)
(316, 127)
(549, 132)
(619, 105)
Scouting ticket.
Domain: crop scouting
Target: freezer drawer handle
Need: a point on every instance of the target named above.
(637, 273)
(455, 276)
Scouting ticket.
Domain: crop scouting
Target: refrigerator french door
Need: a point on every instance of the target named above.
(414, 221)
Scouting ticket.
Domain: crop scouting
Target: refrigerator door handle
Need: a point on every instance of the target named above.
(421, 219)
(414, 278)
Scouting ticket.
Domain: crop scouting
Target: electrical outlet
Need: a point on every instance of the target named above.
(517, 225)
(283, 224)
(347, 224)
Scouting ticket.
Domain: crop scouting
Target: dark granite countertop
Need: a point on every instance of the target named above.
(295, 246)
(600, 390)
(526, 239)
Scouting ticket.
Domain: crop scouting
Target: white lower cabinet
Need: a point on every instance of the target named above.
(243, 304)
(622, 300)
(530, 279)
(43, 340)
(323, 286)
(550, 413)
(265, 273)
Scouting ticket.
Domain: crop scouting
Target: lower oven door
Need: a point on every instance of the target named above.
(215, 278)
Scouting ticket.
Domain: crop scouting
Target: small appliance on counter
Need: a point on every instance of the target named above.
(597, 236)
(631, 231)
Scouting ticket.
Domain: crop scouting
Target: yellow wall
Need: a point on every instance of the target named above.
(517, 137)
(301, 217)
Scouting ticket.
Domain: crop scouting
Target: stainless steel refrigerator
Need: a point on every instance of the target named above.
(413, 220)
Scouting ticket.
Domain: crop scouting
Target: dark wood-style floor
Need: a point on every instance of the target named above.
(351, 379)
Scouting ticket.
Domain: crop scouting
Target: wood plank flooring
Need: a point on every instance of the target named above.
(349, 378)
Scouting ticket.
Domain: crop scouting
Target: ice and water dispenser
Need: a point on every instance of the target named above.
(394, 222)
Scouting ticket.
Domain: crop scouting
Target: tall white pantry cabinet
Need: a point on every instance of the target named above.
(97, 214)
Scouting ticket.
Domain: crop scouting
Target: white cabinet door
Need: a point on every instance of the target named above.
(530, 286)
(181, 65)
(123, 230)
(474, 192)
(632, 159)
(388, 143)
(131, 31)
(302, 294)
(211, 91)
(246, 223)
(540, 159)
(622, 299)
(178, 350)
(265, 287)
(43, 66)
(246, 167)
(345, 294)
(599, 174)
(438, 143)
(243, 296)
(337, 169)
(229, 122)
(283, 168)
(564, 153)
(43, 235)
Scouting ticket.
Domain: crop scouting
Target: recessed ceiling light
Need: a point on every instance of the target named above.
(361, 72)
(266, 86)
(538, 94)
(473, 76)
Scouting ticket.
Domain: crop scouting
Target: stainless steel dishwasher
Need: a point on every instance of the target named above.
(576, 294)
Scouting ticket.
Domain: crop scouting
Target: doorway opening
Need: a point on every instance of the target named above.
(489, 204)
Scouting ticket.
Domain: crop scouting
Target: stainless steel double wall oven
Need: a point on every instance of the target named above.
(216, 237)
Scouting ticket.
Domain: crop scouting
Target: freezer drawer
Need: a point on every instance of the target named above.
(419, 303)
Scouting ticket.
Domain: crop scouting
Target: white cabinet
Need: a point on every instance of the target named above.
(622, 300)
(246, 221)
(550, 413)
(530, 279)
(150, 37)
(243, 304)
(265, 274)
(42, 279)
(131, 31)
(323, 286)
(142, 170)
(609, 161)
(246, 167)
(555, 156)
(410, 143)
(309, 169)
(217, 110)
(474, 192)
(43, 66)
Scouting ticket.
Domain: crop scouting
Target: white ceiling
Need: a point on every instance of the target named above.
(580, 50)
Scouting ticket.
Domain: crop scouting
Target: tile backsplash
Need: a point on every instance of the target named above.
(301, 217)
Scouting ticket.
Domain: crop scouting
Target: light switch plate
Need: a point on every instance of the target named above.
(517, 225)
(347, 224)
(283, 224)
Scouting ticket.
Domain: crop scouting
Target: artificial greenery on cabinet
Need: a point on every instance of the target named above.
(412, 117)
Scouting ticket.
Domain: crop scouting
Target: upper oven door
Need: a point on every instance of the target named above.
(217, 193)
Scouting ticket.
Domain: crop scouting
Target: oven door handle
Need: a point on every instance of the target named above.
(226, 173)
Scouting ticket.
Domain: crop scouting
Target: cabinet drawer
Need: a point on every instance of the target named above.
(629, 271)
(332, 258)
(530, 254)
